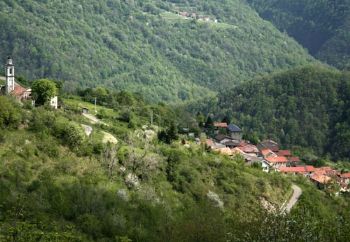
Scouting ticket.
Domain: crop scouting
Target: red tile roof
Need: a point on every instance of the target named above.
(323, 170)
(345, 175)
(267, 153)
(220, 125)
(294, 159)
(209, 142)
(298, 169)
(320, 178)
(284, 153)
(18, 91)
(249, 148)
(278, 159)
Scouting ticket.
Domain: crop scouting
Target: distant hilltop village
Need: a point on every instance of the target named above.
(15, 89)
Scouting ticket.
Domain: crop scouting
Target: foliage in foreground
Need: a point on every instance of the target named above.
(53, 191)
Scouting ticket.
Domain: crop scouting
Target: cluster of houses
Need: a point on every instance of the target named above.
(228, 141)
(12, 88)
(193, 15)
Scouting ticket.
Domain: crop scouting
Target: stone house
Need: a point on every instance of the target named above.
(234, 132)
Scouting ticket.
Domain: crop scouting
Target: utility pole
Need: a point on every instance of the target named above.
(95, 104)
(151, 117)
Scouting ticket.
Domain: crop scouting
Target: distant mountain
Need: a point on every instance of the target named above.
(166, 50)
(322, 26)
(307, 107)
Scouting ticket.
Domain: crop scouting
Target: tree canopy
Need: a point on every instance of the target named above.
(307, 107)
(144, 46)
(43, 90)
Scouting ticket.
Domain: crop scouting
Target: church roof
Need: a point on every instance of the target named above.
(19, 90)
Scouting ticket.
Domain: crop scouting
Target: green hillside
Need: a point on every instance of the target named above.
(321, 26)
(307, 107)
(144, 46)
(57, 184)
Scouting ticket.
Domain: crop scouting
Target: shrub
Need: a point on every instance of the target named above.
(69, 132)
(41, 120)
(10, 114)
(73, 134)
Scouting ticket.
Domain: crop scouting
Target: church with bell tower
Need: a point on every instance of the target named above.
(11, 87)
(10, 76)
(15, 89)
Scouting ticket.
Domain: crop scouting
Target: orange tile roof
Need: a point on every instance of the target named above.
(345, 175)
(298, 169)
(294, 159)
(220, 125)
(18, 90)
(284, 153)
(249, 148)
(267, 153)
(278, 159)
(209, 142)
(320, 178)
(323, 170)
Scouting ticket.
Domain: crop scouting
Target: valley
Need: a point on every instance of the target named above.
(177, 120)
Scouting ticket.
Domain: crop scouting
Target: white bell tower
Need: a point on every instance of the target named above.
(10, 75)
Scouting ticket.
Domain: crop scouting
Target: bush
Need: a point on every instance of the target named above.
(42, 120)
(69, 132)
(73, 134)
(10, 114)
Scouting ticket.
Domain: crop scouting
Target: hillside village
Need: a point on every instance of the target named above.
(227, 140)
(129, 167)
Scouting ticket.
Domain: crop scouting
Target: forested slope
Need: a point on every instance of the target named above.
(58, 184)
(322, 27)
(143, 46)
(308, 107)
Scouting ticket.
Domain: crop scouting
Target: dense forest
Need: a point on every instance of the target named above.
(307, 107)
(58, 184)
(321, 26)
(140, 84)
(144, 46)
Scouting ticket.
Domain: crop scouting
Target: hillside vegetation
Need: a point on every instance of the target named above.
(307, 107)
(57, 184)
(321, 26)
(144, 46)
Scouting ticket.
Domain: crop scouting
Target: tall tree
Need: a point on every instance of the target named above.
(43, 90)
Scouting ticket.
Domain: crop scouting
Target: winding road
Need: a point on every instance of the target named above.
(293, 200)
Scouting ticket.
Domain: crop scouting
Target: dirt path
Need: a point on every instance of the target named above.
(293, 200)
(93, 119)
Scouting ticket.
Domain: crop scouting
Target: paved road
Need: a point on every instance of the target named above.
(293, 200)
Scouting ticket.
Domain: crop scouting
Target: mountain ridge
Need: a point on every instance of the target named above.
(320, 26)
(144, 46)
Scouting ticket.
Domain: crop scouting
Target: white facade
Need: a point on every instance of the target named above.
(265, 166)
(10, 76)
(54, 102)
